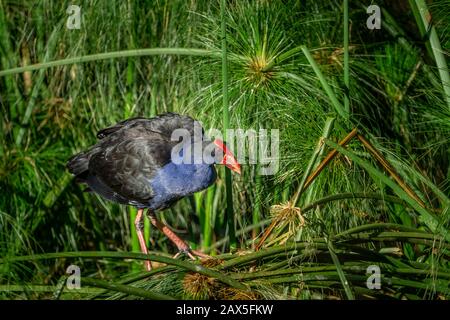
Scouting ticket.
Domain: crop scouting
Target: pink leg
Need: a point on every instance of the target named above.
(182, 246)
(139, 223)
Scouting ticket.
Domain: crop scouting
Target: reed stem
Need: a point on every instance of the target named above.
(226, 125)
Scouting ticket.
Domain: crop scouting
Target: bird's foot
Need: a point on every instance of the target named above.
(191, 253)
(183, 247)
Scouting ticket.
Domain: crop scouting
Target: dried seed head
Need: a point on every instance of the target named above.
(198, 286)
(211, 262)
(288, 212)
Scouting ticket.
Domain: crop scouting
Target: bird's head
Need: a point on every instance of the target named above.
(204, 151)
(228, 159)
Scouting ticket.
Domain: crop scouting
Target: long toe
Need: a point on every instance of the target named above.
(186, 252)
(201, 254)
(192, 254)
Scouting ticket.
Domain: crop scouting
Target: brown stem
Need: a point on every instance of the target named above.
(387, 166)
(268, 232)
(328, 158)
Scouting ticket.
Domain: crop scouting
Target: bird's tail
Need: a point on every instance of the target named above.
(78, 165)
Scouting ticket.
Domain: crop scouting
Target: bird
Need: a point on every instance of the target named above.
(138, 162)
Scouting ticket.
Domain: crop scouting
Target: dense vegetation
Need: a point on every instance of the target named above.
(307, 232)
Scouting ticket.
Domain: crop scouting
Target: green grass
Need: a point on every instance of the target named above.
(308, 68)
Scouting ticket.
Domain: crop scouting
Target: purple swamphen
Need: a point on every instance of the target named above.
(133, 163)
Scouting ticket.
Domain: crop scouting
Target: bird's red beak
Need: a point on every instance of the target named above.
(228, 157)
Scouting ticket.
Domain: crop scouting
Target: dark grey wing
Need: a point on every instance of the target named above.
(127, 167)
(163, 124)
(107, 131)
